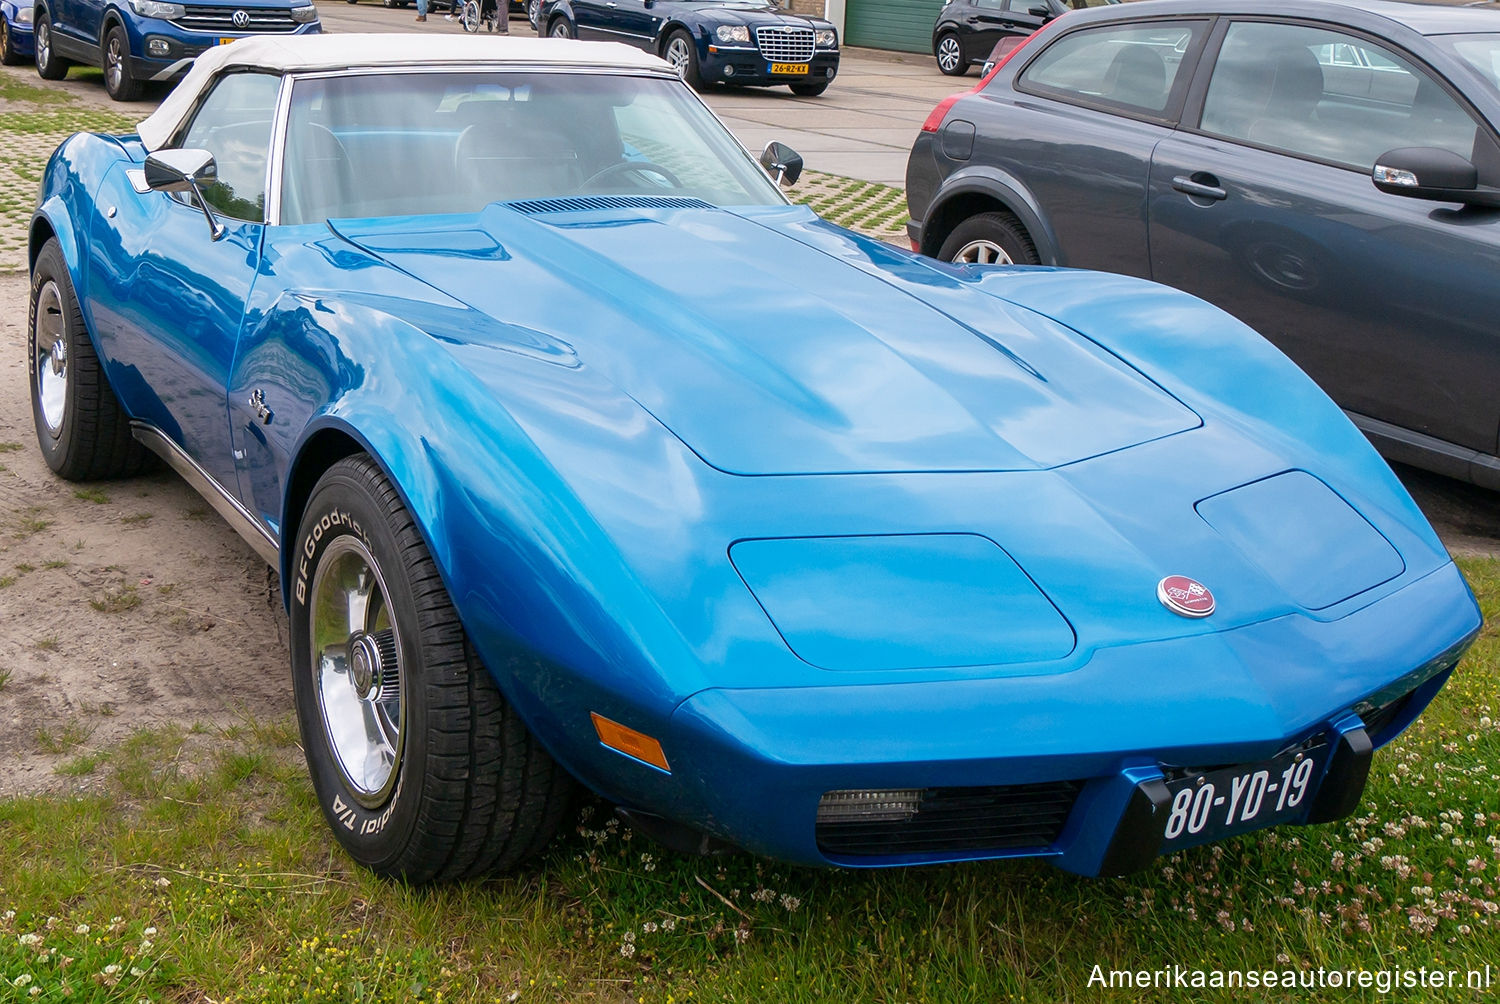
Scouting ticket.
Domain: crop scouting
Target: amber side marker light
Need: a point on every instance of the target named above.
(633, 744)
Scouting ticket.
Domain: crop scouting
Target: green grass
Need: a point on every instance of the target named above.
(201, 867)
(116, 601)
(9, 447)
(93, 495)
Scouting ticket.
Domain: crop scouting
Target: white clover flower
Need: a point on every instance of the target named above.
(111, 969)
(30, 939)
(670, 924)
(21, 981)
(137, 971)
(149, 932)
(162, 882)
(627, 949)
(81, 929)
(790, 902)
(9, 915)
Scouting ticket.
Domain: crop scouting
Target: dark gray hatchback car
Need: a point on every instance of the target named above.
(1329, 173)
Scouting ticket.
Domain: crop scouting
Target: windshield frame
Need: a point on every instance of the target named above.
(1448, 45)
(292, 79)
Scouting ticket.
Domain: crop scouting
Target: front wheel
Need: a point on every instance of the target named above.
(119, 81)
(423, 770)
(809, 90)
(989, 239)
(49, 65)
(8, 54)
(950, 55)
(683, 55)
(562, 28)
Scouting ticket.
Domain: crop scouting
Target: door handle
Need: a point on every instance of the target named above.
(1183, 183)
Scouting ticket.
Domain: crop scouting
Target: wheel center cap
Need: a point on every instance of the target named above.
(365, 666)
(59, 357)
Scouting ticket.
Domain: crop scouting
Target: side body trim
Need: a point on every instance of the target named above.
(215, 494)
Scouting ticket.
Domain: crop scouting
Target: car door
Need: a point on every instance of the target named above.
(168, 298)
(986, 22)
(594, 19)
(633, 22)
(1267, 209)
(1103, 97)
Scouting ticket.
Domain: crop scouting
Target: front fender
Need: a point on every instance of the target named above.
(65, 204)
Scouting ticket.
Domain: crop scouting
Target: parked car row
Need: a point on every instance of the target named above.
(1327, 172)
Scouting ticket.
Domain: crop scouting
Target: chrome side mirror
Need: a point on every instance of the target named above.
(185, 171)
(781, 161)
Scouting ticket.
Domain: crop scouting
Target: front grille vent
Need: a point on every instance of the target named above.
(785, 44)
(220, 20)
(949, 820)
(585, 203)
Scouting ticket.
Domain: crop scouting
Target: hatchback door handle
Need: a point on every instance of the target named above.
(1190, 187)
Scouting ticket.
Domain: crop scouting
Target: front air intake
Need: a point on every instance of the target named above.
(943, 820)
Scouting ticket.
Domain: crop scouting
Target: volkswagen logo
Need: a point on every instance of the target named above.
(240, 19)
(1184, 596)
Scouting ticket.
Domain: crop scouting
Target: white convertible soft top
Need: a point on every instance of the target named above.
(297, 53)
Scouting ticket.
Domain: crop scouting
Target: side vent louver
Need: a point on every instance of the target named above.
(585, 203)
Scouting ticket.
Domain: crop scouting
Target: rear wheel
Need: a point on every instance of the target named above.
(49, 65)
(989, 239)
(119, 81)
(82, 430)
(561, 28)
(950, 55)
(422, 768)
(683, 55)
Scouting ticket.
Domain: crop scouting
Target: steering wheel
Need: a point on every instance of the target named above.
(632, 167)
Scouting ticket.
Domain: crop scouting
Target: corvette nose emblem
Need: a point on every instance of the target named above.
(1184, 596)
(240, 19)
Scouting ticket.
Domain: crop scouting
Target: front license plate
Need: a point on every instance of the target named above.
(797, 69)
(226, 41)
(1220, 803)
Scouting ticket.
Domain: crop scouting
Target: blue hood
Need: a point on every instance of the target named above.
(767, 356)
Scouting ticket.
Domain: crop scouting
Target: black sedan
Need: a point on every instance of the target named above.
(967, 31)
(1327, 171)
(749, 42)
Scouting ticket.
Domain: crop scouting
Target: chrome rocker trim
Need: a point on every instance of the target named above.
(215, 494)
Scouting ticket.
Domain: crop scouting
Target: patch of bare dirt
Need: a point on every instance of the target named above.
(122, 603)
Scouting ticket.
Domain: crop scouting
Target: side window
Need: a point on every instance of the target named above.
(990, 4)
(234, 124)
(1327, 96)
(1133, 66)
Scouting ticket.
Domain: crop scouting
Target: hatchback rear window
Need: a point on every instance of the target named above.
(1132, 66)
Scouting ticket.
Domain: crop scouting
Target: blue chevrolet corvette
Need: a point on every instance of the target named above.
(603, 464)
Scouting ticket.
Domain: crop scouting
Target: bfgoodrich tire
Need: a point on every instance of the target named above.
(82, 430)
(422, 768)
(989, 239)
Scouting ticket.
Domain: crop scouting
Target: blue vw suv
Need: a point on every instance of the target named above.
(136, 41)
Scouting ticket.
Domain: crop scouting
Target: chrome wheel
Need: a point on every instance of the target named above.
(356, 655)
(51, 364)
(982, 252)
(678, 55)
(949, 53)
(114, 63)
(560, 29)
(43, 44)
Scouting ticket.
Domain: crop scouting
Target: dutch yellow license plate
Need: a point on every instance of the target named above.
(226, 41)
(799, 69)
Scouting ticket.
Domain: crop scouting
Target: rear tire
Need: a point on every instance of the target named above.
(49, 65)
(83, 432)
(114, 56)
(561, 28)
(990, 239)
(423, 769)
(950, 55)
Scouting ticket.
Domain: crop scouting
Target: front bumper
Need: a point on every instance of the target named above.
(747, 66)
(751, 766)
(162, 51)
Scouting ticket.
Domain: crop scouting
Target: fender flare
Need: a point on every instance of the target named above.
(988, 183)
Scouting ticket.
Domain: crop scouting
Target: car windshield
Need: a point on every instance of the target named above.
(404, 144)
(1480, 51)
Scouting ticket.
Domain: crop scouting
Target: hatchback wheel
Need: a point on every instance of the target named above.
(989, 239)
(119, 81)
(49, 65)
